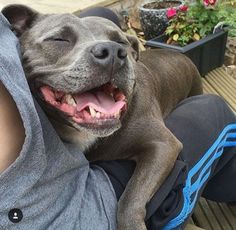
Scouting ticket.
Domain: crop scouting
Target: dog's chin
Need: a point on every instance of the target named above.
(98, 128)
(95, 127)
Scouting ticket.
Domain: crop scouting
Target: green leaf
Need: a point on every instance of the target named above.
(175, 37)
(169, 31)
(196, 37)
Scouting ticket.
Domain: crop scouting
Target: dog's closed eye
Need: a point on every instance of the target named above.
(61, 40)
(57, 39)
(64, 35)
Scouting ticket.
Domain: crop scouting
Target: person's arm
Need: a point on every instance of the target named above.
(12, 133)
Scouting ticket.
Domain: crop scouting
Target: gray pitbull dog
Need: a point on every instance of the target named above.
(86, 75)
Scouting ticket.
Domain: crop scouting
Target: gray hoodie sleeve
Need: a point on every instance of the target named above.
(50, 182)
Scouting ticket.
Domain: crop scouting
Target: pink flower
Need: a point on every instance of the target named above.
(171, 12)
(183, 8)
(209, 3)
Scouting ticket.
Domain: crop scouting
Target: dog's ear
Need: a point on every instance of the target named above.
(135, 46)
(20, 17)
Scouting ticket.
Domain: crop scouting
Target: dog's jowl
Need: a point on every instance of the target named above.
(104, 96)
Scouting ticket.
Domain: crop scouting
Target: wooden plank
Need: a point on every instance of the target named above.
(192, 227)
(224, 74)
(228, 215)
(219, 215)
(210, 215)
(200, 219)
(207, 88)
(228, 96)
(233, 209)
(59, 6)
(104, 3)
(190, 221)
(219, 87)
(219, 82)
(226, 82)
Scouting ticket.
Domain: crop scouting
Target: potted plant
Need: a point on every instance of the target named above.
(153, 16)
(197, 31)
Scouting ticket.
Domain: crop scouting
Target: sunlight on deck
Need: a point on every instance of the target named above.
(60, 6)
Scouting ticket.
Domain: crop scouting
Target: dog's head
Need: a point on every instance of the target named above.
(81, 70)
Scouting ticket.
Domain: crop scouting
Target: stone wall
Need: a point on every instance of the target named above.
(230, 56)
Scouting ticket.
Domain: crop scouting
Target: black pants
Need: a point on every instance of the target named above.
(206, 166)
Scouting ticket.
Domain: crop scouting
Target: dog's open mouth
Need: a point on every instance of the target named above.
(95, 106)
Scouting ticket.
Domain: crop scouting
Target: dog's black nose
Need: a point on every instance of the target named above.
(108, 53)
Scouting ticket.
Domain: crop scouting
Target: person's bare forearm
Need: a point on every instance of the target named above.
(12, 133)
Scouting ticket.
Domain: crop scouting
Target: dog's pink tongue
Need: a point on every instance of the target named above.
(100, 101)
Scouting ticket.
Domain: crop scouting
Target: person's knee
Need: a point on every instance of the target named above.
(214, 99)
(199, 109)
(217, 104)
(101, 12)
(204, 102)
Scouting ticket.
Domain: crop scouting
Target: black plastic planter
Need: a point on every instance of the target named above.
(207, 53)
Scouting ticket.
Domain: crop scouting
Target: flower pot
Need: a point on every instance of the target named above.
(153, 17)
(207, 53)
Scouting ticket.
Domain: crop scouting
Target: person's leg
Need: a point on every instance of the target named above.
(221, 187)
(206, 126)
(101, 12)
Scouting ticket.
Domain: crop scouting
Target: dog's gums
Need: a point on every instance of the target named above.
(104, 103)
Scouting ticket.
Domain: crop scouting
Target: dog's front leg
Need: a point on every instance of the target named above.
(155, 160)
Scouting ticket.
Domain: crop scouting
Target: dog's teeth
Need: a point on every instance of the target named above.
(98, 115)
(92, 112)
(111, 94)
(70, 100)
(117, 115)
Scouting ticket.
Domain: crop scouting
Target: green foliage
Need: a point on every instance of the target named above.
(181, 31)
(199, 21)
(207, 19)
(230, 19)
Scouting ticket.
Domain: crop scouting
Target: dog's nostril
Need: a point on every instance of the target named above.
(122, 53)
(104, 54)
(100, 52)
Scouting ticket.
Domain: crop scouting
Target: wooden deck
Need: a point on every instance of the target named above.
(220, 83)
(59, 6)
(210, 215)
